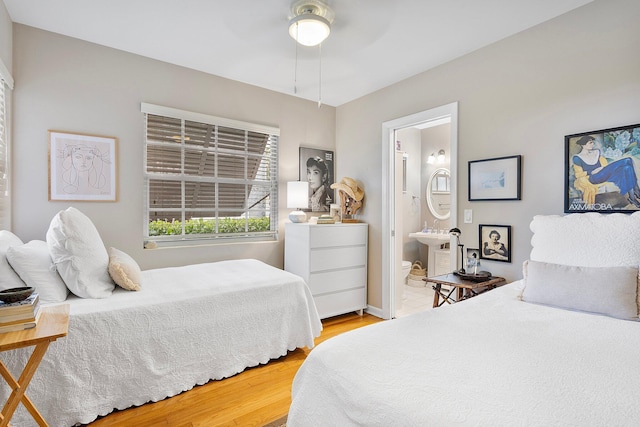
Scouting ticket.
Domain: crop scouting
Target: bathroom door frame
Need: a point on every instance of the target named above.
(389, 255)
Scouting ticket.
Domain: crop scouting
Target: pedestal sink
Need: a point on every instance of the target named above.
(434, 241)
(431, 239)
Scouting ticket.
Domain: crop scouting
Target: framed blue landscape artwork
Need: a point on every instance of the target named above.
(495, 179)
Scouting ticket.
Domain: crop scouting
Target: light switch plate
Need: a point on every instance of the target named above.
(468, 216)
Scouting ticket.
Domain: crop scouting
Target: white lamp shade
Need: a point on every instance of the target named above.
(309, 29)
(297, 197)
(297, 194)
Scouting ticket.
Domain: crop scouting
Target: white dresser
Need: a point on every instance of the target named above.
(332, 259)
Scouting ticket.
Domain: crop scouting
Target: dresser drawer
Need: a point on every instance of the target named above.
(344, 302)
(322, 259)
(324, 236)
(337, 280)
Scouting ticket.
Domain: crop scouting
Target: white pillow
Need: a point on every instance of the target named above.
(124, 270)
(79, 254)
(611, 291)
(8, 277)
(33, 263)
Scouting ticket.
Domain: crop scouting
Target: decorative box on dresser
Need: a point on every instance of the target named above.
(332, 259)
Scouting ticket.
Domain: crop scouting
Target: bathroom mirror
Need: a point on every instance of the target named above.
(438, 193)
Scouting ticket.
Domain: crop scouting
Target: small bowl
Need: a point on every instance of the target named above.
(15, 294)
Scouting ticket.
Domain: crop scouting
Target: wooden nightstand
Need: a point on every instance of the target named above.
(53, 324)
(464, 288)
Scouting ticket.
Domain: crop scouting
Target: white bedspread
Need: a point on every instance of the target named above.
(186, 326)
(490, 361)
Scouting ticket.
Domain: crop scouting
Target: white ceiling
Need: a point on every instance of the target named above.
(373, 43)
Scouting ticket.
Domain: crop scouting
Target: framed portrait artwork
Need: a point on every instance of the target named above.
(495, 179)
(82, 167)
(495, 242)
(316, 167)
(601, 170)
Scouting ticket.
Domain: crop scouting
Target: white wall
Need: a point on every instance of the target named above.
(71, 85)
(576, 73)
(433, 140)
(410, 214)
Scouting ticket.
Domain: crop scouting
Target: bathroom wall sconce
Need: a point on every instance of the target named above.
(432, 157)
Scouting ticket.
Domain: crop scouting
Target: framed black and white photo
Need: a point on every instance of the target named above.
(495, 179)
(472, 258)
(495, 242)
(601, 170)
(316, 167)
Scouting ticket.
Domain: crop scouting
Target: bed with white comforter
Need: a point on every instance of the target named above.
(553, 349)
(186, 326)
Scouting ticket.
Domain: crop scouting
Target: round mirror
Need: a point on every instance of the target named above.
(438, 193)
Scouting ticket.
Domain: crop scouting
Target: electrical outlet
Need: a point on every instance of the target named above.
(468, 216)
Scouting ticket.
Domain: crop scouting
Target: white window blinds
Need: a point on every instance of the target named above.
(5, 205)
(208, 178)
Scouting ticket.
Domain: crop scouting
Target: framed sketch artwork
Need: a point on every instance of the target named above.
(495, 242)
(601, 170)
(316, 167)
(82, 167)
(495, 179)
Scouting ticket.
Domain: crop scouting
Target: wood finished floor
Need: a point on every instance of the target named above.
(254, 397)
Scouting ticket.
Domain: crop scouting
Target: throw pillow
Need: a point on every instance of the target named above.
(8, 277)
(33, 263)
(124, 270)
(79, 254)
(603, 290)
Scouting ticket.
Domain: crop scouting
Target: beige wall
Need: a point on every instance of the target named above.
(576, 73)
(70, 85)
(6, 36)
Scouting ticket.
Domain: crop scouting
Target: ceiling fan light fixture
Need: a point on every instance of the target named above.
(309, 29)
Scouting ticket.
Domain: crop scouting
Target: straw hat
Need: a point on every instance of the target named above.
(349, 186)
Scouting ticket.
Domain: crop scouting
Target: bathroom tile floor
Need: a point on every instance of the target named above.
(415, 299)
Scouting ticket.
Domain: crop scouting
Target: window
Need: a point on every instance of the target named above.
(208, 178)
(6, 82)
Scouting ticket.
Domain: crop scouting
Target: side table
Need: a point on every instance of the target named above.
(464, 288)
(53, 324)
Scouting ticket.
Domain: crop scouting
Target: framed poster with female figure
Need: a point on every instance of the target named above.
(601, 170)
(82, 167)
(495, 242)
(316, 167)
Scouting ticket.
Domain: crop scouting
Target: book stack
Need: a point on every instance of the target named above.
(326, 219)
(17, 316)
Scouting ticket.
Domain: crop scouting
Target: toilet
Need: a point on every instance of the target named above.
(406, 268)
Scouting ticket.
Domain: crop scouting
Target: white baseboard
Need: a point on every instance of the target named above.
(374, 311)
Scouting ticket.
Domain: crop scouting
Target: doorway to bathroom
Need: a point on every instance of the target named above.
(412, 203)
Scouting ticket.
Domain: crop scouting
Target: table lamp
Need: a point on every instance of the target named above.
(456, 232)
(297, 198)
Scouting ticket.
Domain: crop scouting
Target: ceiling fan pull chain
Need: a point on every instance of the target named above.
(320, 75)
(295, 71)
